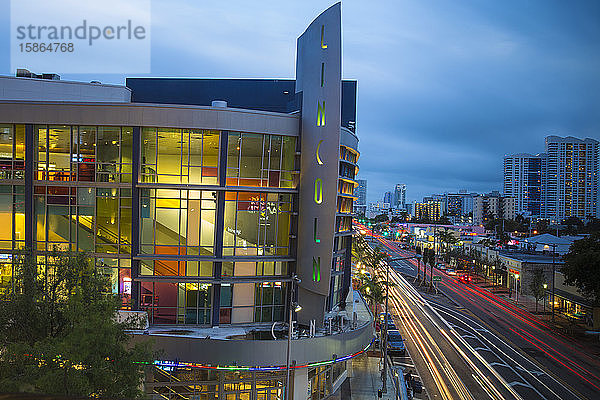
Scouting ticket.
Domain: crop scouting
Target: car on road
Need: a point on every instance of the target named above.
(390, 322)
(451, 271)
(465, 278)
(395, 343)
(441, 267)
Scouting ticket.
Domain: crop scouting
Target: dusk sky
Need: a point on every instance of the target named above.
(446, 88)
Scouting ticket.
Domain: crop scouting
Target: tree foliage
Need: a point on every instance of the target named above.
(536, 286)
(582, 267)
(381, 218)
(59, 334)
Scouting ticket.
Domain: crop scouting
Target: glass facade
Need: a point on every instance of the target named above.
(180, 156)
(181, 245)
(261, 160)
(256, 224)
(205, 384)
(342, 247)
(196, 223)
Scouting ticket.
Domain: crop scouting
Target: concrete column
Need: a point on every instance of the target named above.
(301, 384)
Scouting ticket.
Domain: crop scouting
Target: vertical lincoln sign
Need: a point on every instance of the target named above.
(318, 78)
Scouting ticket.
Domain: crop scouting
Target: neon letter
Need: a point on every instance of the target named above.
(317, 269)
(319, 157)
(317, 240)
(323, 45)
(318, 191)
(321, 114)
(322, 74)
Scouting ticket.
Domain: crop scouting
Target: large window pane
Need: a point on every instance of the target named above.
(178, 222)
(59, 152)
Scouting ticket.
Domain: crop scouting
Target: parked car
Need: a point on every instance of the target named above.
(382, 317)
(451, 271)
(441, 267)
(465, 278)
(395, 343)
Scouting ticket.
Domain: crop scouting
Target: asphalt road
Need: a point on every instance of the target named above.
(535, 361)
(449, 367)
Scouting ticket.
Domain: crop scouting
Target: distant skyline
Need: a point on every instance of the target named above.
(445, 89)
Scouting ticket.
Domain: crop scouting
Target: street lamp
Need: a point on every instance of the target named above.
(546, 247)
(387, 295)
(545, 297)
(294, 307)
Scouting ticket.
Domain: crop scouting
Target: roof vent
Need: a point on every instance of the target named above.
(219, 104)
(25, 73)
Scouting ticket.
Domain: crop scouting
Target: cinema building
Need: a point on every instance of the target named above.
(201, 200)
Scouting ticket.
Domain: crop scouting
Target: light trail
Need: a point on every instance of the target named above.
(420, 303)
(411, 328)
(529, 323)
(471, 323)
(538, 325)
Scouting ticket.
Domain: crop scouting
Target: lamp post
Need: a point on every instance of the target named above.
(545, 296)
(547, 246)
(294, 307)
(387, 295)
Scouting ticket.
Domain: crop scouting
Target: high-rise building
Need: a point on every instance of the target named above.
(388, 197)
(360, 193)
(203, 214)
(524, 176)
(571, 187)
(399, 200)
(454, 204)
(431, 209)
(493, 206)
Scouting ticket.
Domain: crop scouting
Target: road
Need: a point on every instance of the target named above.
(449, 367)
(537, 362)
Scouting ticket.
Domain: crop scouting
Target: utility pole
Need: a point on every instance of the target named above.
(293, 307)
(434, 256)
(553, 245)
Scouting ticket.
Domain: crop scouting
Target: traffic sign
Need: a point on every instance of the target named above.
(437, 278)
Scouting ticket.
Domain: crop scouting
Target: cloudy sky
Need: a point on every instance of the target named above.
(446, 88)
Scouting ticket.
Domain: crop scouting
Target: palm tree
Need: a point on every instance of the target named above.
(447, 239)
(376, 258)
(360, 254)
(373, 289)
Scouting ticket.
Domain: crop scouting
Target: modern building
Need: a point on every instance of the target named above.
(558, 184)
(388, 197)
(493, 206)
(432, 210)
(360, 193)
(571, 188)
(400, 196)
(524, 176)
(202, 215)
(467, 204)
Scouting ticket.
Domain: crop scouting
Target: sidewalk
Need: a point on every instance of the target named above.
(366, 379)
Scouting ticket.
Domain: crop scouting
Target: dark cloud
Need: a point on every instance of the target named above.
(445, 88)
